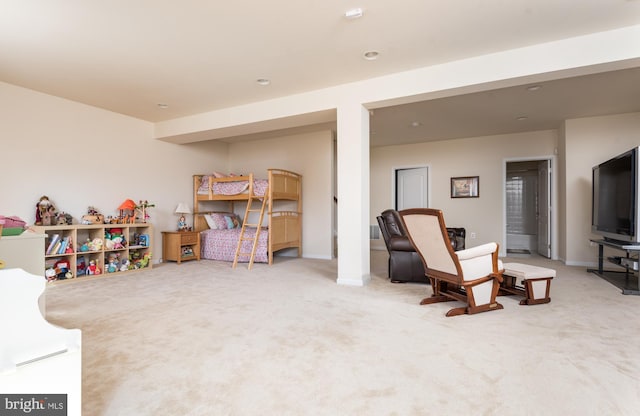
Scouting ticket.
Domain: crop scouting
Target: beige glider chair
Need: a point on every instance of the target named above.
(471, 276)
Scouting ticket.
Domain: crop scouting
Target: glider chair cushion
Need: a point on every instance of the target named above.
(405, 265)
(471, 276)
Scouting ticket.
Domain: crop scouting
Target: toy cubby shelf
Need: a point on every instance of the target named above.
(79, 257)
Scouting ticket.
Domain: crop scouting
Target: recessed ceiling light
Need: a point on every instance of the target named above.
(533, 88)
(263, 81)
(353, 13)
(163, 106)
(522, 118)
(416, 124)
(371, 55)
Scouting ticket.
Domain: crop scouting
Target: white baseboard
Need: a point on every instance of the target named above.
(587, 264)
(354, 282)
(316, 256)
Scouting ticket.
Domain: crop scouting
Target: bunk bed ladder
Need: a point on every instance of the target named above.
(245, 224)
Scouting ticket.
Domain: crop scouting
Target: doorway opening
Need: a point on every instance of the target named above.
(528, 208)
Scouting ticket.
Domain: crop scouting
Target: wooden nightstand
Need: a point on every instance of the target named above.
(174, 243)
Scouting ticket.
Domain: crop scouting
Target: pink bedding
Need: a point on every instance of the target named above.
(233, 188)
(222, 244)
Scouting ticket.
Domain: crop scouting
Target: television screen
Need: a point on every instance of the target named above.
(614, 196)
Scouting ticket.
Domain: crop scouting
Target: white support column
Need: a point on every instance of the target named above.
(353, 195)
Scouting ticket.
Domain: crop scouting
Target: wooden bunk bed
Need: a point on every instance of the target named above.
(284, 227)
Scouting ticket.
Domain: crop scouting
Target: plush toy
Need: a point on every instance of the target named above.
(118, 242)
(109, 244)
(92, 268)
(61, 220)
(50, 274)
(95, 244)
(125, 265)
(85, 246)
(112, 266)
(48, 217)
(144, 262)
(114, 239)
(61, 268)
(135, 260)
(81, 266)
(44, 207)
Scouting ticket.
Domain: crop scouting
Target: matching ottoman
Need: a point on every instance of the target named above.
(532, 282)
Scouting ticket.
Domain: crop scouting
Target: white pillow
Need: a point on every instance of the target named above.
(210, 221)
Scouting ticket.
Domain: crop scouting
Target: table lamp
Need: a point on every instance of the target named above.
(182, 209)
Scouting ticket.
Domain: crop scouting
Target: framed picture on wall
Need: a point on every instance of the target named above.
(465, 187)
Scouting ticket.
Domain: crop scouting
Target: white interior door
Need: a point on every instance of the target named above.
(412, 188)
(544, 208)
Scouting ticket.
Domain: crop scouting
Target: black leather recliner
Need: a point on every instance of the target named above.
(405, 264)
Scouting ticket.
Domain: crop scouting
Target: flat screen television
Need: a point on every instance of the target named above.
(615, 198)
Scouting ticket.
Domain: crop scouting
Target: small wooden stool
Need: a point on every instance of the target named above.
(532, 282)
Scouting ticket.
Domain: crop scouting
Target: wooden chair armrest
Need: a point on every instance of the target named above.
(497, 276)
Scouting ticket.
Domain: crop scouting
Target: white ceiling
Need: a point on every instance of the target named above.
(202, 55)
(508, 110)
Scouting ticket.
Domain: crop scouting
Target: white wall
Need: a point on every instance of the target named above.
(561, 177)
(591, 53)
(80, 156)
(476, 156)
(590, 141)
(580, 143)
(310, 155)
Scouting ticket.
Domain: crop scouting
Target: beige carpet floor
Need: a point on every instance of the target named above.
(203, 339)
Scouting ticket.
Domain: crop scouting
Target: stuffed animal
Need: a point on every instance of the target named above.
(134, 258)
(85, 246)
(139, 261)
(125, 265)
(93, 268)
(145, 260)
(48, 217)
(61, 268)
(43, 207)
(114, 239)
(81, 266)
(50, 274)
(96, 244)
(118, 242)
(112, 266)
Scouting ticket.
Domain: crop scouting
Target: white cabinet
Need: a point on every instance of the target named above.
(23, 251)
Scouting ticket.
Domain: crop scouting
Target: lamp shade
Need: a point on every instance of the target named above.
(183, 208)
